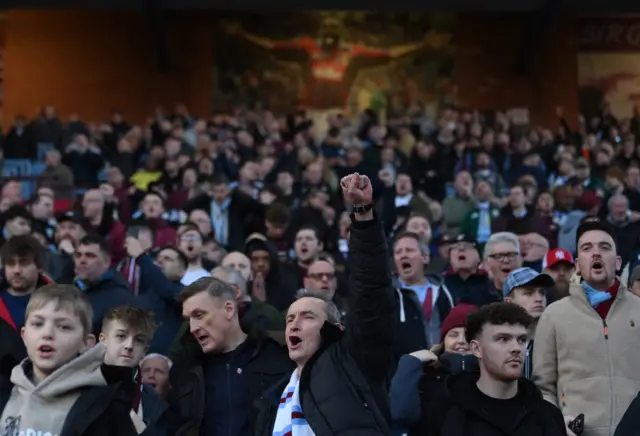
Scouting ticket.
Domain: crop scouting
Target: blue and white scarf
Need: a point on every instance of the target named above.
(290, 419)
(594, 296)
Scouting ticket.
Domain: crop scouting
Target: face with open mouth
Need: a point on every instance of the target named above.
(597, 260)
(305, 318)
(409, 259)
(455, 342)
(464, 256)
(307, 244)
(210, 320)
(503, 259)
(191, 244)
(53, 336)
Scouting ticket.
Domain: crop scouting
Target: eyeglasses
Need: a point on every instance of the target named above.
(501, 257)
(191, 238)
(320, 276)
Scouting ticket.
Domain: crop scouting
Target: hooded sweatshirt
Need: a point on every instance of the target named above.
(43, 408)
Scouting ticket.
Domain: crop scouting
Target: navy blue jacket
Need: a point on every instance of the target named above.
(154, 413)
(111, 291)
(477, 289)
(157, 294)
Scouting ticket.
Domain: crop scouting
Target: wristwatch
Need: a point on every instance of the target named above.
(363, 209)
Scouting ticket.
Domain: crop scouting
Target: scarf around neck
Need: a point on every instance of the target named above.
(594, 296)
(290, 420)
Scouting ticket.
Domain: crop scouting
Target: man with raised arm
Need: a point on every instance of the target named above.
(340, 384)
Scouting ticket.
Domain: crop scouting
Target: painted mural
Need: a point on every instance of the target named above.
(609, 65)
(333, 60)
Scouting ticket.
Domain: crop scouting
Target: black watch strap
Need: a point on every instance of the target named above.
(363, 209)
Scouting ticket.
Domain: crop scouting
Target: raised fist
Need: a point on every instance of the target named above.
(356, 189)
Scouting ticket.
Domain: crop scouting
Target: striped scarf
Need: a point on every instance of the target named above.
(290, 420)
(130, 269)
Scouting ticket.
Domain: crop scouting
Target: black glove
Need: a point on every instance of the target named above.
(459, 363)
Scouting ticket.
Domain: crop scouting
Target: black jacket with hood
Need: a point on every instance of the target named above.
(279, 287)
(344, 385)
(103, 405)
(110, 291)
(413, 332)
(269, 362)
(462, 413)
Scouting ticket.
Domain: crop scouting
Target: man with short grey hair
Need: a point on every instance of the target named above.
(217, 382)
(501, 256)
(333, 313)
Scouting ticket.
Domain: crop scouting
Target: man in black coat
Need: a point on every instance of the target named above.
(340, 384)
(498, 401)
(220, 374)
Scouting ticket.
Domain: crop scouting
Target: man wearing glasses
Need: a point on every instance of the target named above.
(501, 256)
(321, 276)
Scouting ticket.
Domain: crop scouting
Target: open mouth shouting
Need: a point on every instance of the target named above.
(293, 342)
(46, 351)
(406, 267)
(597, 266)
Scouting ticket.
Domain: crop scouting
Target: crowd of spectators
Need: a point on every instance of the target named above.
(473, 206)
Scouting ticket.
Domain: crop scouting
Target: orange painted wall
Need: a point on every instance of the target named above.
(487, 48)
(91, 62)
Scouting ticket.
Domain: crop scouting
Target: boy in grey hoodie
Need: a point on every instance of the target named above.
(63, 388)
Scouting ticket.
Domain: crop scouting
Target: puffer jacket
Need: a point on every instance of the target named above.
(344, 386)
(584, 364)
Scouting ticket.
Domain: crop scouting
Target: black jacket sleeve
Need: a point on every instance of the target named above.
(630, 421)
(369, 326)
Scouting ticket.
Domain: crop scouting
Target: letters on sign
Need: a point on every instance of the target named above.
(609, 34)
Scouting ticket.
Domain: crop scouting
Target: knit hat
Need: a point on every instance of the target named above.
(456, 318)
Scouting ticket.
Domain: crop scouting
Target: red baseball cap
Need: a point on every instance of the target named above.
(556, 255)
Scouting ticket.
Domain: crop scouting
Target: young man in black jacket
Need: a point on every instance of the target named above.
(63, 388)
(126, 335)
(340, 383)
(499, 401)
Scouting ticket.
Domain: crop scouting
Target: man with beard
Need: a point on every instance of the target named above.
(499, 401)
(558, 263)
(22, 260)
(587, 346)
(307, 246)
(190, 244)
(501, 256)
